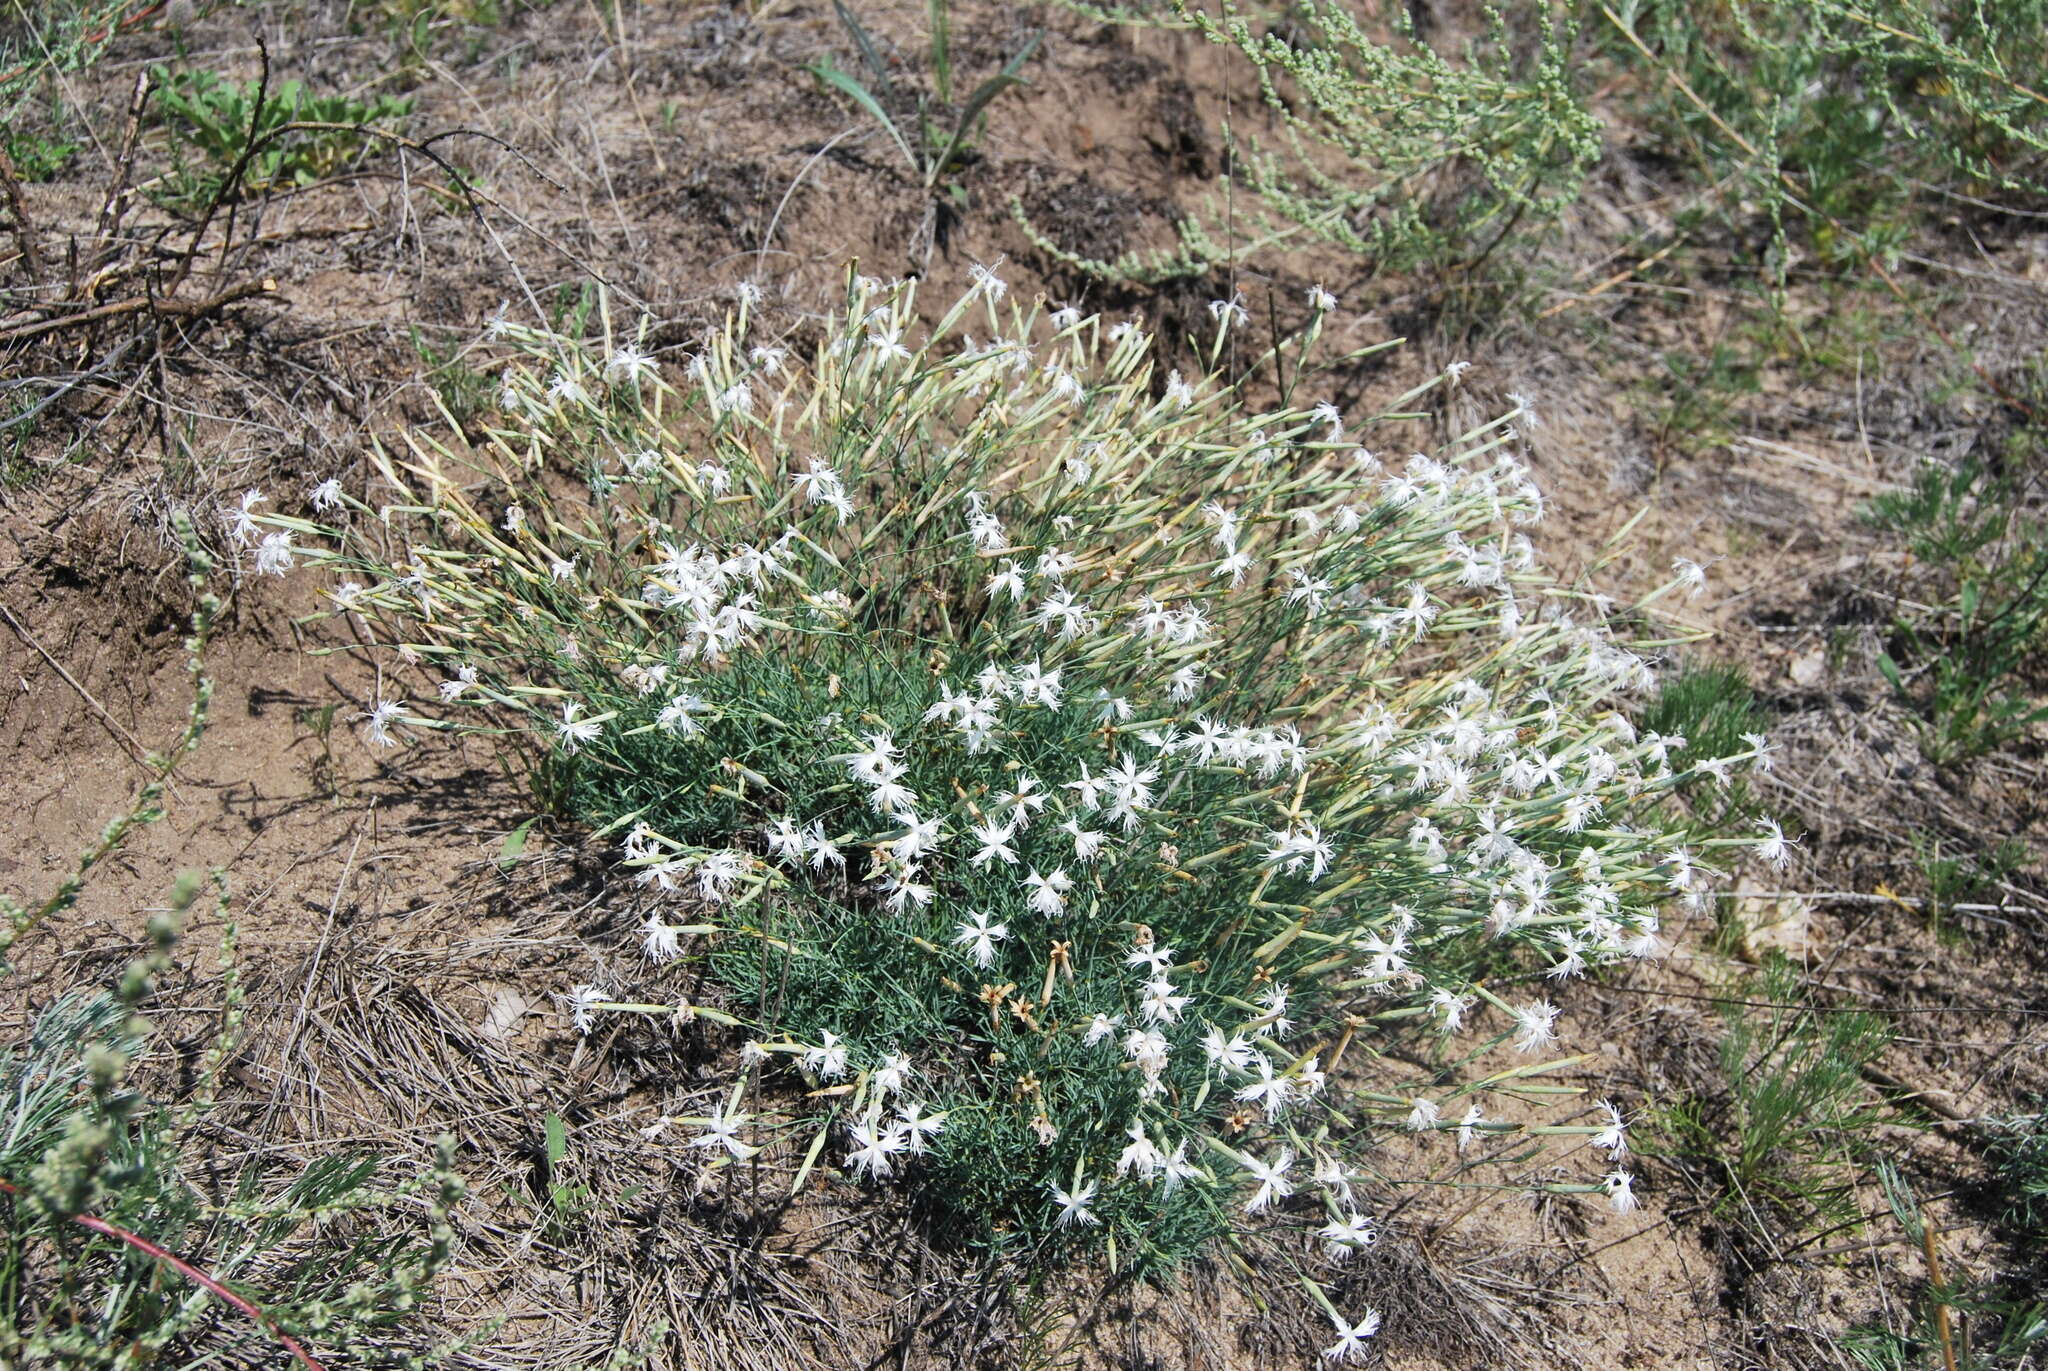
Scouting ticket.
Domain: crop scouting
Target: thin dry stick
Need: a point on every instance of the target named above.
(121, 735)
(24, 228)
(1934, 1276)
(115, 207)
(141, 304)
(312, 973)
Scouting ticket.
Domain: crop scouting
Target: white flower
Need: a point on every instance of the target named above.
(1452, 1006)
(1774, 847)
(737, 398)
(1275, 1020)
(1765, 750)
(1614, 1137)
(1008, 580)
(678, 716)
(575, 732)
(378, 720)
(983, 280)
(244, 526)
(628, 364)
(1074, 1205)
(1321, 300)
(1035, 685)
(583, 1002)
(1231, 311)
(1142, 1156)
(663, 942)
(1620, 1190)
(1236, 1052)
(903, 890)
(565, 389)
(1535, 1025)
(892, 1073)
(1351, 1337)
(1160, 1004)
(886, 339)
(721, 1130)
(1178, 1168)
(828, 1059)
(1100, 1027)
(326, 497)
(451, 690)
(1303, 846)
(823, 850)
(1150, 955)
(920, 836)
(1422, 1115)
(981, 937)
(875, 1149)
(274, 554)
(918, 1126)
(1272, 1179)
(1343, 1238)
(1468, 1126)
(995, 845)
(1049, 893)
(1691, 575)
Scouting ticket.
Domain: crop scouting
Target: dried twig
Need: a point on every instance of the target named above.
(24, 227)
(141, 304)
(121, 734)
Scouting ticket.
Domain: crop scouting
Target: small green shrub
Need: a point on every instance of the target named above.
(1711, 709)
(289, 136)
(1963, 662)
(2018, 1148)
(1838, 119)
(47, 39)
(1388, 148)
(1060, 770)
(1789, 1134)
(2005, 1320)
(464, 392)
(1972, 872)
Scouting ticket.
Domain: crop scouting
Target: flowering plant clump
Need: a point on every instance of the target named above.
(1070, 775)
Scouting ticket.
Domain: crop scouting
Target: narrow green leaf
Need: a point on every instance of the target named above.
(1890, 670)
(868, 52)
(976, 103)
(557, 1143)
(846, 85)
(514, 844)
(803, 1173)
(942, 50)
